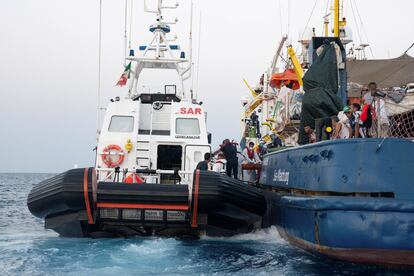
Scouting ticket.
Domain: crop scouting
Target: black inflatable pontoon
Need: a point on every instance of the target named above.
(75, 205)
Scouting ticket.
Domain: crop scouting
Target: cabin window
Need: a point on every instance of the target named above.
(121, 124)
(187, 126)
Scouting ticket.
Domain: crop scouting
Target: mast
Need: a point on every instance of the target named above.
(326, 25)
(159, 53)
(336, 18)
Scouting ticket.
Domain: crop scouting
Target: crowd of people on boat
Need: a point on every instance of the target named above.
(358, 120)
(232, 160)
(363, 119)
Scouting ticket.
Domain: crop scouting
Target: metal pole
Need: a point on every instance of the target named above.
(99, 71)
(198, 55)
(336, 18)
(190, 42)
(125, 31)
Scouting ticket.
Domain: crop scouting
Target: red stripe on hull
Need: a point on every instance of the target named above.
(86, 197)
(195, 199)
(141, 206)
(387, 257)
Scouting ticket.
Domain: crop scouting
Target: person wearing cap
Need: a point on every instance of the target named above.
(343, 129)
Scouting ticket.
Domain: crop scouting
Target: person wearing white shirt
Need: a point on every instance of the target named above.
(343, 126)
(220, 164)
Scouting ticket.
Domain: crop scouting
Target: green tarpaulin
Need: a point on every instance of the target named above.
(321, 87)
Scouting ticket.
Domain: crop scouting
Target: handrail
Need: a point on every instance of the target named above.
(133, 170)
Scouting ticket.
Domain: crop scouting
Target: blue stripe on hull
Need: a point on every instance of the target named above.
(329, 224)
(346, 166)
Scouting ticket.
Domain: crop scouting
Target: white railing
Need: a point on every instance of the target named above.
(109, 174)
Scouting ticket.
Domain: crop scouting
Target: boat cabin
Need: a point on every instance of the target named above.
(154, 135)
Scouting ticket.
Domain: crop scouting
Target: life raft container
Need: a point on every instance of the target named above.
(107, 159)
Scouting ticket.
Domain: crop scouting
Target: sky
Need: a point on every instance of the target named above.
(49, 63)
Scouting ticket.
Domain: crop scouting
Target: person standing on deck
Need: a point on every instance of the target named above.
(250, 157)
(356, 122)
(379, 114)
(203, 165)
(230, 152)
(220, 164)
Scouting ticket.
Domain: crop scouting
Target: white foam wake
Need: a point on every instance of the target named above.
(268, 235)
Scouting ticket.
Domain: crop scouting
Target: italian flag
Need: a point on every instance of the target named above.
(125, 75)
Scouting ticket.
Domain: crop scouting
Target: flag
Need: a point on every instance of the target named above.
(125, 75)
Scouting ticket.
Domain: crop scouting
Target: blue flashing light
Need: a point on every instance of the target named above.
(142, 48)
(182, 54)
(131, 52)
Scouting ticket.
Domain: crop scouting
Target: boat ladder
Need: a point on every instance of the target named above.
(143, 154)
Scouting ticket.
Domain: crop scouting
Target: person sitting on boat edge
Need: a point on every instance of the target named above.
(220, 164)
(334, 121)
(230, 152)
(311, 134)
(343, 128)
(203, 165)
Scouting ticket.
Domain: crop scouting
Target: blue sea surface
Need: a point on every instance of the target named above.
(26, 248)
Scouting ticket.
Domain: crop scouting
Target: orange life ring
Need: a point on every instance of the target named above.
(107, 159)
(130, 179)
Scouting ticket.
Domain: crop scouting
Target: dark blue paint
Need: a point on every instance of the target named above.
(349, 223)
(352, 165)
(346, 166)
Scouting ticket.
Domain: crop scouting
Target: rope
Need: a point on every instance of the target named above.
(310, 17)
(288, 26)
(307, 23)
(99, 68)
(125, 30)
(409, 48)
(198, 56)
(280, 18)
(356, 22)
(395, 72)
(363, 29)
(130, 25)
(282, 57)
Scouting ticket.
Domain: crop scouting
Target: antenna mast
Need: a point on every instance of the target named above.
(163, 56)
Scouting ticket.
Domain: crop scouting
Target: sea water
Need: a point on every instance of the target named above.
(26, 248)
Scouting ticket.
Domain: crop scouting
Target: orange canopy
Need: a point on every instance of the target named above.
(287, 78)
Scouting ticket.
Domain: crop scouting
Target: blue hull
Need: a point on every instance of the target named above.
(348, 199)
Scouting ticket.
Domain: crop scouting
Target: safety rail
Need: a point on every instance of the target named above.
(148, 174)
